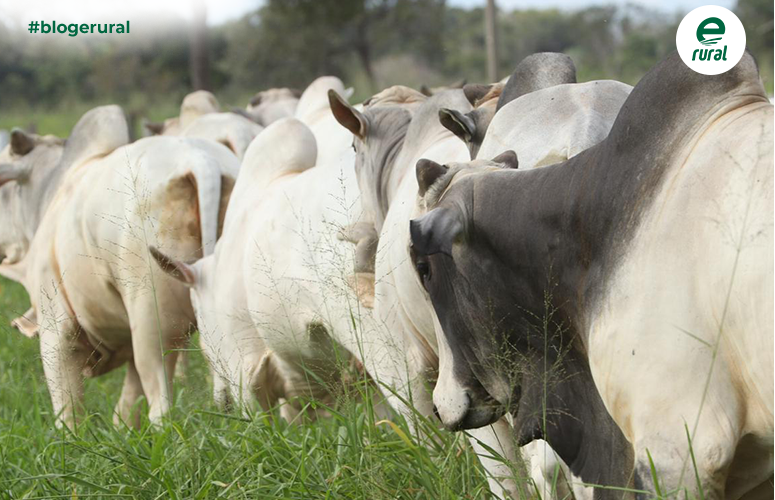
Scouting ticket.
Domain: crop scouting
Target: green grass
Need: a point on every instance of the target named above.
(202, 453)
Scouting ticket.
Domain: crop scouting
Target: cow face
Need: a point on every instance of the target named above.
(26, 158)
(477, 381)
(378, 136)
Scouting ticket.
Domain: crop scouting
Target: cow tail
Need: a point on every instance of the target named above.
(208, 190)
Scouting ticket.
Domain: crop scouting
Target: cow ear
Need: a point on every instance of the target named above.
(475, 91)
(178, 270)
(456, 122)
(154, 128)
(349, 117)
(425, 90)
(435, 232)
(21, 142)
(428, 172)
(255, 100)
(508, 159)
(296, 93)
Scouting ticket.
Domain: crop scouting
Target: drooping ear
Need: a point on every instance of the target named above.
(428, 172)
(425, 90)
(255, 100)
(21, 142)
(436, 231)
(459, 124)
(349, 117)
(475, 91)
(508, 159)
(154, 128)
(296, 93)
(12, 172)
(178, 270)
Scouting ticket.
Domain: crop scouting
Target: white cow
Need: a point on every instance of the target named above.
(233, 345)
(397, 128)
(230, 129)
(313, 110)
(270, 105)
(97, 300)
(277, 299)
(201, 116)
(194, 105)
(545, 125)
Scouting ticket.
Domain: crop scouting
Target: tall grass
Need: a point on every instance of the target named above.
(200, 452)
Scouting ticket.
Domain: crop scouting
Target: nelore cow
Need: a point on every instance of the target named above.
(396, 128)
(619, 304)
(242, 365)
(279, 316)
(80, 214)
(200, 117)
(533, 73)
(270, 105)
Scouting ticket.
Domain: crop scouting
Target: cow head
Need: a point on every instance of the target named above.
(31, 168)
(270, 105)
(22, 161)
(456, 265)
(378, 136)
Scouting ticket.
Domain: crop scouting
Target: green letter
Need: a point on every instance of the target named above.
(694, 54)
(84, 28)
(702, 31)
(111, 28)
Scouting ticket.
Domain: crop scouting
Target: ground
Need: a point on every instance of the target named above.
(203, 453)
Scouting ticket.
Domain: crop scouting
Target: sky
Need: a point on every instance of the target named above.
(89, 11)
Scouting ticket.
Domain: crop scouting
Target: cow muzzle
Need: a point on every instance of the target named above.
(465, 410)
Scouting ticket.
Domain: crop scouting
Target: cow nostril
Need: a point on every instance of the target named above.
(436, 412)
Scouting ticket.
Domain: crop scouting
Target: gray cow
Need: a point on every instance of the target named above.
(622, 299)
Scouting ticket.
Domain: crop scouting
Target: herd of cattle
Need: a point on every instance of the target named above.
(577, 273)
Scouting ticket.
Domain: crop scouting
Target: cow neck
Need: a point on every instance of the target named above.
(49, 181)
(519, 222)
(566, 410)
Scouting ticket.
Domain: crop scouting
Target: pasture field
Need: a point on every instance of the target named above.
(202, 453)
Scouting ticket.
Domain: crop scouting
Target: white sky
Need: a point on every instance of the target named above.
(92, 11)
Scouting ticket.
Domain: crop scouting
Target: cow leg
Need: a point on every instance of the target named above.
(669, 452)
(500, 475)
(131, 392)
(155, 368)
(63, 360)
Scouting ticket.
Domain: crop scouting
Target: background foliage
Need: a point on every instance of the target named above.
(48, 81)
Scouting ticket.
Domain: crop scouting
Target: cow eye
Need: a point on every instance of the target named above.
(423, 269)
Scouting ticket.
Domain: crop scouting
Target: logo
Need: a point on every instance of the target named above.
(716, 29)
(710, 40)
